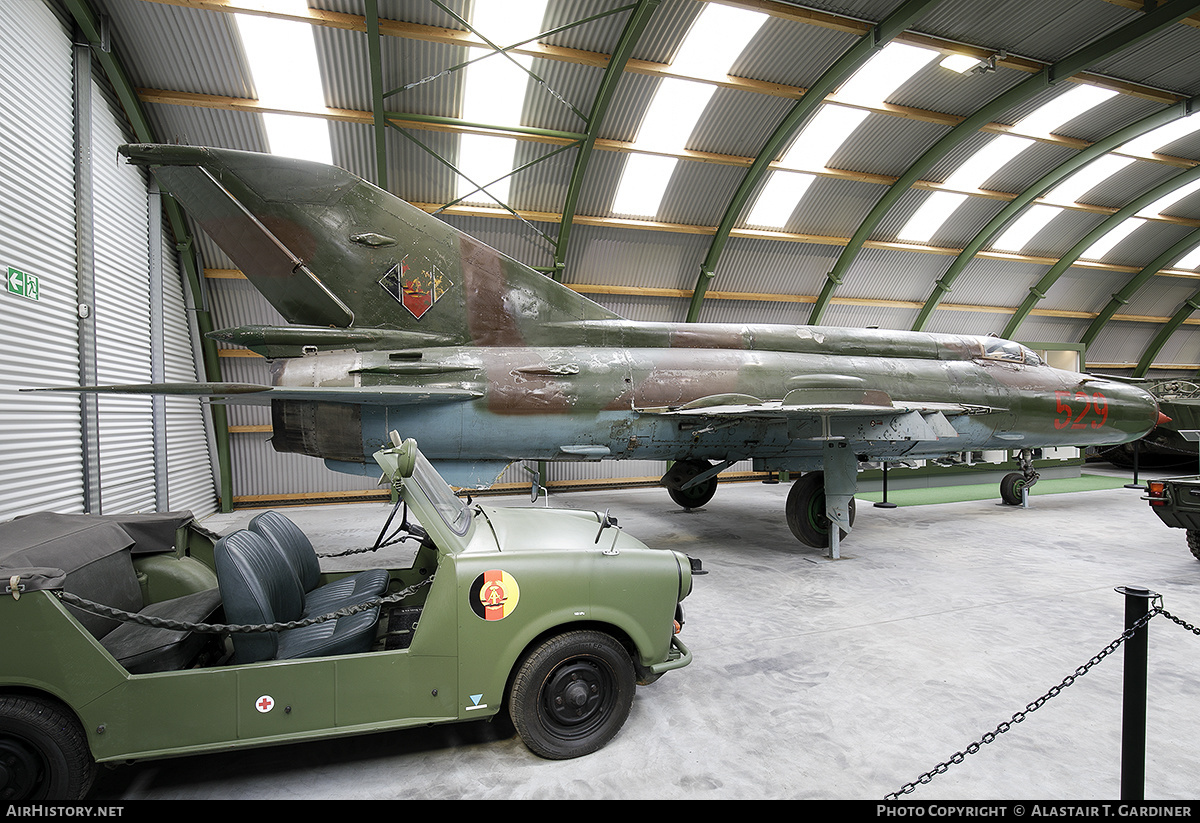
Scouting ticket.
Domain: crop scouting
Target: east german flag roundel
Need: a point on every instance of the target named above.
(494, 595)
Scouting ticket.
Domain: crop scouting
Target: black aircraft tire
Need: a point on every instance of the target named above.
(44, 753)
(806, 511)
(1010, 488)
(572, 694)
(1193, 541)
(696, 496)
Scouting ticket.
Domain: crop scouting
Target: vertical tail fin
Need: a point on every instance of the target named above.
(326, 248)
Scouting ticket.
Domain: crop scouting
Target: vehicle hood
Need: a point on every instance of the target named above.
(542, 529)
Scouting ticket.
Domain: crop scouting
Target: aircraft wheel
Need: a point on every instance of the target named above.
(44, 753)
(1010, 488)
(571, 694)
(806, 511)
(1193, 541)
(695, 496)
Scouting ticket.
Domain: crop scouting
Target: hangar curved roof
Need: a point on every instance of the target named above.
(1024, 169)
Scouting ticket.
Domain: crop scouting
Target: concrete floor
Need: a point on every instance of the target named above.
(816, 678)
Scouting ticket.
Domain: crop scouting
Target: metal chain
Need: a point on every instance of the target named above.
(374, 548)
(1020, 716)
(1193, 629)
(223, 628)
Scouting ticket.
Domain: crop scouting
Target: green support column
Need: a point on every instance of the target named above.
(375, 73)
(867, 47)
(998, 223)
(1124, 37)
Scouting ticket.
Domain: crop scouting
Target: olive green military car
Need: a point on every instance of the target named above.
(144, 636)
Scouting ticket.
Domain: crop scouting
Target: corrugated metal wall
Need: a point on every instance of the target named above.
(40, 444)
(42, 453)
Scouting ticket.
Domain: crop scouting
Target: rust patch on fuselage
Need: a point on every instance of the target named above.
(485, 290)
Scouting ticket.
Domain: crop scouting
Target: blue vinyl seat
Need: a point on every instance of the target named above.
(258, 586)
(298, 550)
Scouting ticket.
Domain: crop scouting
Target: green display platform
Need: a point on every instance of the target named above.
(985, 491)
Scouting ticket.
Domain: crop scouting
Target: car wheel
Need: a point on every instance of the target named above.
(44, 753)
(571, 694)
(1193, 541)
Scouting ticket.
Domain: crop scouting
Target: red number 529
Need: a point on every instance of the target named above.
(1078, 410)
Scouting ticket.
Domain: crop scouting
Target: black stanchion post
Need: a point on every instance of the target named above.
(1137, 447)
(1133, 708)
(884, 504)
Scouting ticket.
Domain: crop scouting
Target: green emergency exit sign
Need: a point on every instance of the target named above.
(23, 283)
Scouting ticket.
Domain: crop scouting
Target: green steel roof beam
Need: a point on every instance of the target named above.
(867, 46)
(1038, 291)
(89, 24)
(375, 75)
(635, 25)
(998, 223)
(1164, 334)
(1121, 298)
(1124, 37)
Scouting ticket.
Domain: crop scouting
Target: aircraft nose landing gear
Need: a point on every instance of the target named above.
(1015, 485)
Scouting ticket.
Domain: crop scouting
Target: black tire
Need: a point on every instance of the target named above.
(1193, 541)
(572, 694)
(806, 511)
(695, 496)
(44, 753)
(1011, 487)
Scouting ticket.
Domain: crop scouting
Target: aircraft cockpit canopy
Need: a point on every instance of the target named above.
(1011, 352)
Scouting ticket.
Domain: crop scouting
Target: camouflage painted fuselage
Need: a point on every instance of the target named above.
(620, 397)
(405, 323)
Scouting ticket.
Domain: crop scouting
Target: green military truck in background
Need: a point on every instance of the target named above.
(1176, 501)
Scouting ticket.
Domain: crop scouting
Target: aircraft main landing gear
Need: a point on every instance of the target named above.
(696, 494)
(1015, 485)
(805, 510)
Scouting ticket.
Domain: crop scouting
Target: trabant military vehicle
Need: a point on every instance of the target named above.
(540, 617)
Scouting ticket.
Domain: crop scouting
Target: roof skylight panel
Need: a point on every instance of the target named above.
(1077, 186)
(833, 124)
(715, 40)
(1152, 141)
(1165, 202)
(1099, 249)
(283, 62)
(1041, 123)
(494, 94)
(970, 176)
(778, 198)
(1061, 110)
(1017, 236)
(1191, 260)
(887, 71)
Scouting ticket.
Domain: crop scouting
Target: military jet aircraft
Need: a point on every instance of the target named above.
(401, 322)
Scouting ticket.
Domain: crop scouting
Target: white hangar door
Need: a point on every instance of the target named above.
(153, 454)
(80, 298)
(40, 443)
